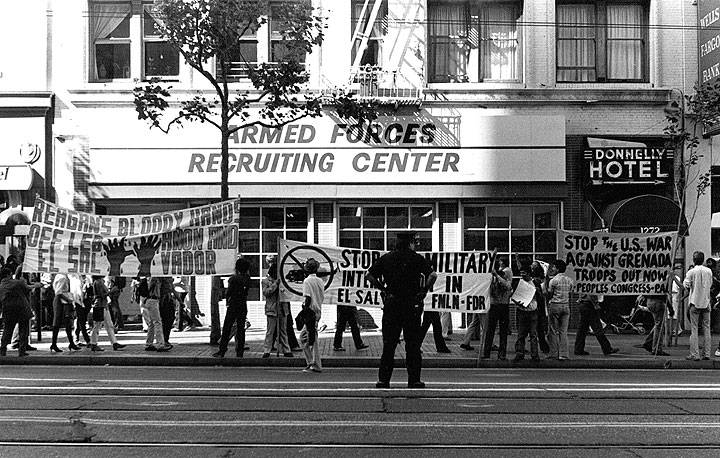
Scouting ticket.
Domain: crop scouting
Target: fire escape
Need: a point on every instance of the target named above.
(369, 79)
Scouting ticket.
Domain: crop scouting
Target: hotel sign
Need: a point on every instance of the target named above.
(615, 161)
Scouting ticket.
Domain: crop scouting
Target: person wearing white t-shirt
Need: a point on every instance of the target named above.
(314, 294)
(698, 282)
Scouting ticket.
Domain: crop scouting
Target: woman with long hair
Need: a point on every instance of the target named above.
(101, 315)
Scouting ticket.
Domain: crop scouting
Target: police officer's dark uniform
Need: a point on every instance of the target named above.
(404, 276)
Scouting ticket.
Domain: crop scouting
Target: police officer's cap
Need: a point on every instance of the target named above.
(407, 236)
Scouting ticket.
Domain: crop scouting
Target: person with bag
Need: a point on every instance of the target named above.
(698, 281)
(236, 314)
(63, 312)
(101, 315)
(526, 297)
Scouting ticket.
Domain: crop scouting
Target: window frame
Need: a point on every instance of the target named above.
(154, 38)
(601, 39)
(476, 22)
(386, 230)
(379, 40)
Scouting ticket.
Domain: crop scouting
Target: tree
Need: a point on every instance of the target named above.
(201, 30)
(206, 30)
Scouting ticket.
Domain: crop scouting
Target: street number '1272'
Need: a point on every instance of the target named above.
(650, 230)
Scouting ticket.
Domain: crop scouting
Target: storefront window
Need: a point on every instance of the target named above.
(525, 231)
(260, 228)
(375, 227)
(161, 59)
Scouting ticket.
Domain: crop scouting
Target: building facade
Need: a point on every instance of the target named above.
(503, 121)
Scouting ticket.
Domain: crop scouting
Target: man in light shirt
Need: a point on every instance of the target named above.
(314, 294)
(698, 282)
(558, 308)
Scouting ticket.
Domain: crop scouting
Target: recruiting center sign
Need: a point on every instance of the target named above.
(618, 264)
(463, 283)
(192, 241)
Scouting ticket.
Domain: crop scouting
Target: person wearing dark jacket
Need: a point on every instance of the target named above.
(236, 299)
(589, 307)
(404, 279)
(16, 310)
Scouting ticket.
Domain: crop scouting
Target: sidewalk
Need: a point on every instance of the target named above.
(191, 349)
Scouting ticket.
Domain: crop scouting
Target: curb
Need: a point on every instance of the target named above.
(299, 362)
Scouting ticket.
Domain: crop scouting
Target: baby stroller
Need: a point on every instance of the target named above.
(623, 318)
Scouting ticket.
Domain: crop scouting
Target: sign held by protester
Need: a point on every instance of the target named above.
(192, 241)
(462, 286)
(618, 264)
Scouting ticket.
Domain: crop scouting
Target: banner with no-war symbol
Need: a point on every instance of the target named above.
(190, 241)
(462, 286)
(618, 264)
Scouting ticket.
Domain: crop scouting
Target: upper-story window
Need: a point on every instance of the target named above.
(266, 44)
(602, 41)
(474, 41)
(372, 13)
(113, 44)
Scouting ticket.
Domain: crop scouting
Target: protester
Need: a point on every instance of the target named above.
(236, 301)
(404, 278)
(142, 291)
(499, 313)
(101, 315)
(527, 315)
(16, 309)
(47, 296)
(84, 314)
(698, 282)
(314, 295)
(63, 308)
(656, 305)
(150, 310)
(115, 286)
(558, 307)
(589, 308)
(166, 301)
(433, 318)
(76, 292)
(540, 279)
(217, 293)
(347, 315)
(276, 313)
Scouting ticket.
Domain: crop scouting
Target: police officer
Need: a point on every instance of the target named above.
(404, 278)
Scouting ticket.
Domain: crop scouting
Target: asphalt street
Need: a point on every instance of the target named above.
(223, 411)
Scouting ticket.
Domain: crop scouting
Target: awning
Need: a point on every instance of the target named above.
(645, 213)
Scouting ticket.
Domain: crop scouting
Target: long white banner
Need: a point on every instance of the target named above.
(463, 284)
(618, 264)
(193, 241)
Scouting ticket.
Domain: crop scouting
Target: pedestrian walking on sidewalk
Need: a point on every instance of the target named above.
(166, 304)
(15, 305)
(404, 279)
(499, 313)
(276, 313)
(558, 308)
(63, 312)
(236, 301)
(698, 282)
(589, 308)
(101, 315)
(433, 318)
(527, 314)
(78, 297)
(347, 315)
(314, 296)
(150, 310)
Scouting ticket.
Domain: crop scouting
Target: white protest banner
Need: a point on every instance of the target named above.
(191, 241)
(524, 293)
(462, 286)
(618, 264)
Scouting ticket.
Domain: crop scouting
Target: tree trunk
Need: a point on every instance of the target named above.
(224, 163)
